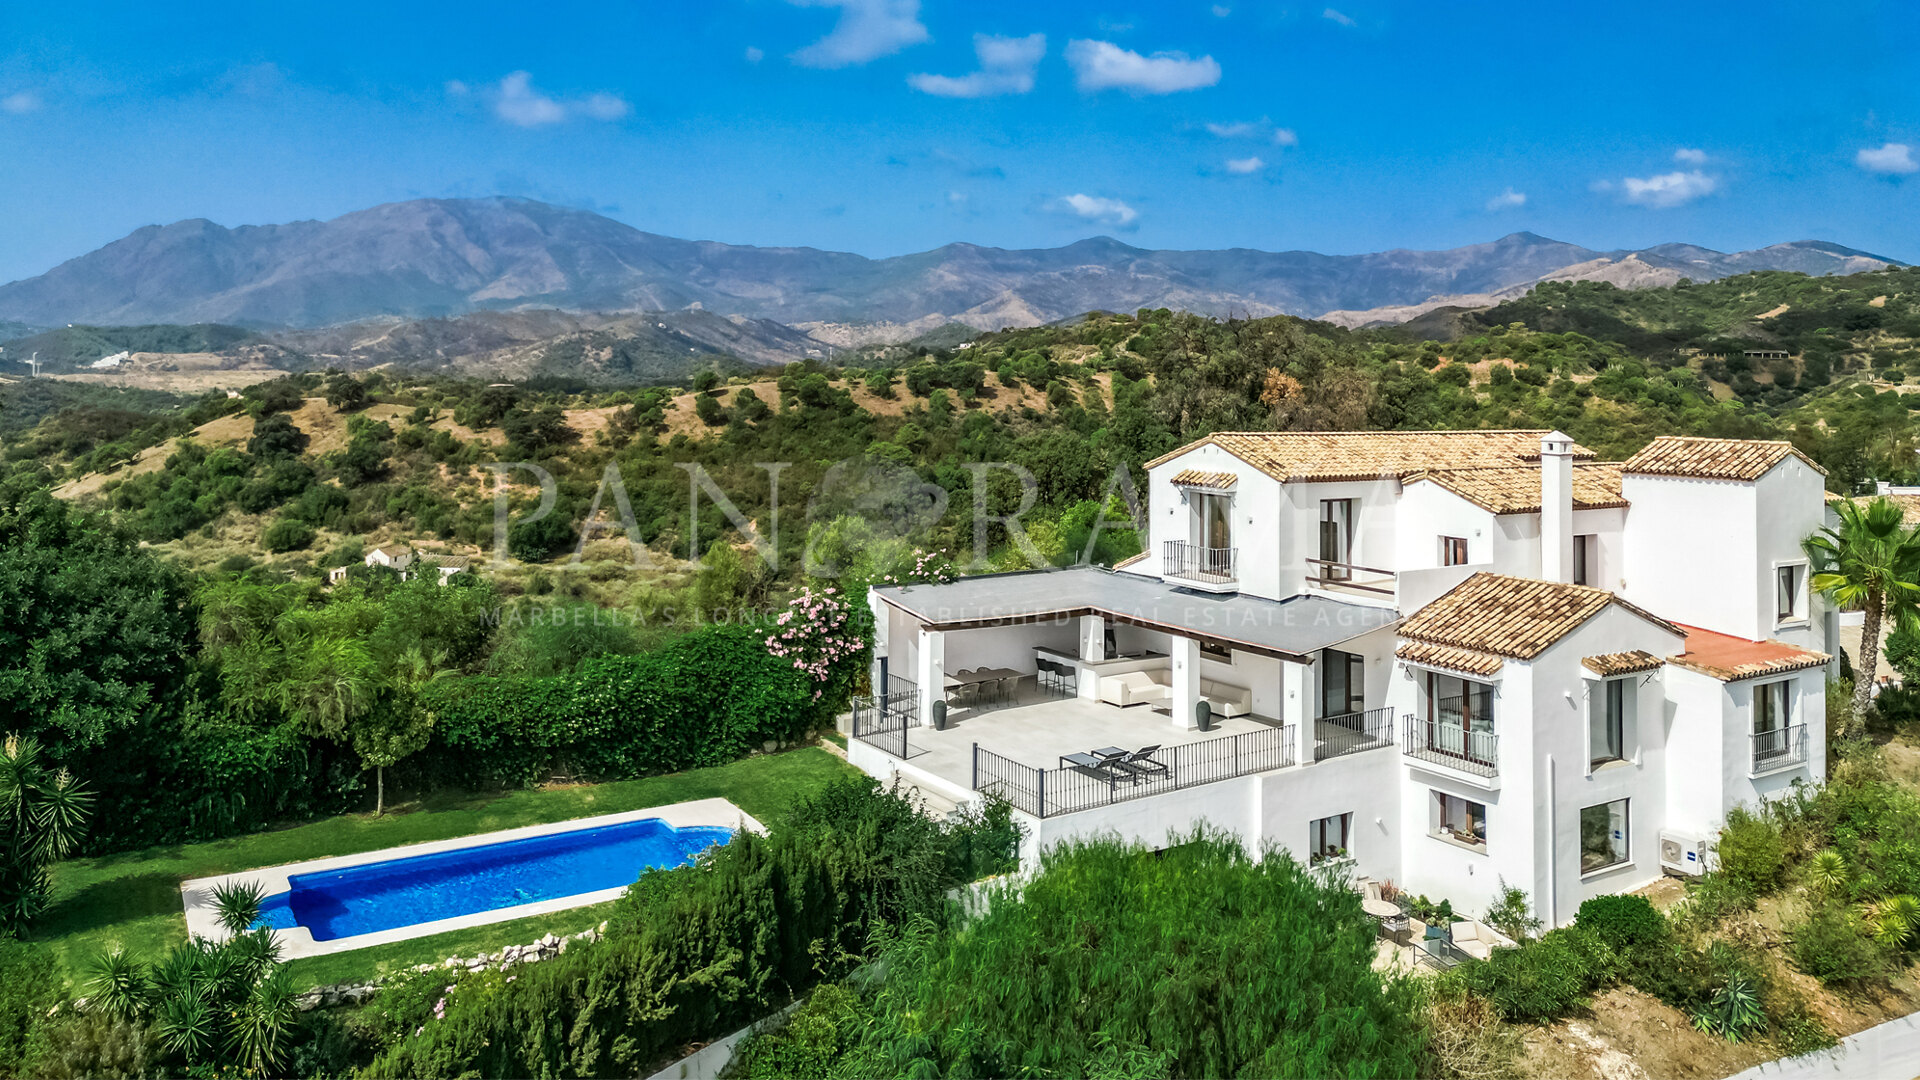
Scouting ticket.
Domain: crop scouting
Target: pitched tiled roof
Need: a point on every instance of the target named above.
(1516, 490)
(1442, 656)
(1621, 663)
(1909, 505)
(1729, 658)
(1129, 561)
(1198, 478)
(1511, 616)
(448, 562)
(1712, 459)
(1368, 455)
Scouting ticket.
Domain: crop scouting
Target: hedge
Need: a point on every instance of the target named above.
(703, 699)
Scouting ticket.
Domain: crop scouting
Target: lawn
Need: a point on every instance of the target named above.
(133, 899)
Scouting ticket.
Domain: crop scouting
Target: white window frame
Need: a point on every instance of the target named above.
(1802, 599)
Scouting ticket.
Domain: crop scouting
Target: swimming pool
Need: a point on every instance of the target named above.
(385, 895)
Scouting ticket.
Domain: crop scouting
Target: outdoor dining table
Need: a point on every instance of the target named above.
(997, 677)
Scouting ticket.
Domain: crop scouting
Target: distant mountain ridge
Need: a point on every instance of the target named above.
(431, 258)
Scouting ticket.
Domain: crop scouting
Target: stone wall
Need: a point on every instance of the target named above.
(353, 993)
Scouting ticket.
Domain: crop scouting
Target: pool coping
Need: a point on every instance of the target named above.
(196, 894)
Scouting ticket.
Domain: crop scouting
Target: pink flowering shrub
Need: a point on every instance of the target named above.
(817, 633)
(929, 568)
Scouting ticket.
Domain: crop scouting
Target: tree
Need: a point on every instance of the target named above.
(396, 727)
(346, 393)
(1870, 562)
(43, 814)
(92, 627)
(275, 437)
(287, 534)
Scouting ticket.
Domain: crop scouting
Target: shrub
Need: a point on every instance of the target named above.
(1834, 946)
(1753, 850)
(1625, 922)
(1542, 979)
(1512, 914)
(29, 991)
(1673, 973)
(287, 534)
(806, 1046)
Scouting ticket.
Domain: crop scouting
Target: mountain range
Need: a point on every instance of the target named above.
(434, 258)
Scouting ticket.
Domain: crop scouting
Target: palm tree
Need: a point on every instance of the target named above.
(43, 814)
(1871, 562)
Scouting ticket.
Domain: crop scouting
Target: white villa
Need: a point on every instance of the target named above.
(1450, 657)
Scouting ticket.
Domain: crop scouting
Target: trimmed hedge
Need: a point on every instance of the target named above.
(703, 699)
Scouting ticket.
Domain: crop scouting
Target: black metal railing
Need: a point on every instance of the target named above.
(1213, 565)
(1450, 743)
(1350, 733)
(1052, 792)
(882, 720)
(1780, 747)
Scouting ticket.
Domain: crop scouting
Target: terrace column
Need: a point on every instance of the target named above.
(932, 676)
(1093, 649)
(1186, 680)
(1299, 688)
(881, 624)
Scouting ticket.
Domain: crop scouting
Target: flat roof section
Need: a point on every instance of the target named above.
(1291, 629)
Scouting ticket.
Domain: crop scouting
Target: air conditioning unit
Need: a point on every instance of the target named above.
(1683, 853)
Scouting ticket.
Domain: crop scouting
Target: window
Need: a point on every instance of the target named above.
(1453, 551)
(1336, 538)
(1603, 836)
(1772, 721)
(1342, 683)
(1787, 583)
(1459, 718)
(1459, 820)
(1329, 838)
(1607, 723)
(1583, 560)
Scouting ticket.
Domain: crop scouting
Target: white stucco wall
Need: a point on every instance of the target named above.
(1256, 503)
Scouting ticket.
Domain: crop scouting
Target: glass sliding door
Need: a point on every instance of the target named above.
(1460, 717)
(1342, 683)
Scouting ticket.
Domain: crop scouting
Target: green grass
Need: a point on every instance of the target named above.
(133, 899)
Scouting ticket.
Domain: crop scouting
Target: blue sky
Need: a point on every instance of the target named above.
(889, 126)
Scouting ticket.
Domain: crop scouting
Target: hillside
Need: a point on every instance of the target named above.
(432, 258)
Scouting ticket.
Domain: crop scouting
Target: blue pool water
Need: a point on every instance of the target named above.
(401, 892)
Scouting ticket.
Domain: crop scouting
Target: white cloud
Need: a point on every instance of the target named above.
(1507, 200)
(1335, 16)
(1221, 11)
(755, 54)
(1664, 191)
(1892, 159)
(1006, 67)
(867, 30)
(1244, 166)
(1261, 129)
(1687, 155)
(519, 103)
(1093, 208)
(1102, 65)
(456, 88)
(24, 101)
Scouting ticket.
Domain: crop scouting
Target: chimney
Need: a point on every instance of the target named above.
(1556, 507)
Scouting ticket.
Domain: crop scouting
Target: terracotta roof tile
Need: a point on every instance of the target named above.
(1199, 478)
(1712, 459)
(1621, 663)
(1909, 505)
(1729, 658)
(1511, 616)
(1516, 490)
(1129, 561)
(1368, 455)
(1442, 656)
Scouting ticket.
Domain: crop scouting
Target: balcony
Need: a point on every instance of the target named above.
(1351, 733)
(1350, 578)
(1452, 746)
(1212, 568)
(1781, 748)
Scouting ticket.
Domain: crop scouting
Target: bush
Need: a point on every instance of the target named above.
(1543, 979)
(1753, 851)
(1834, 946)
(30, 990)
(287, 534)
(1625, 922)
